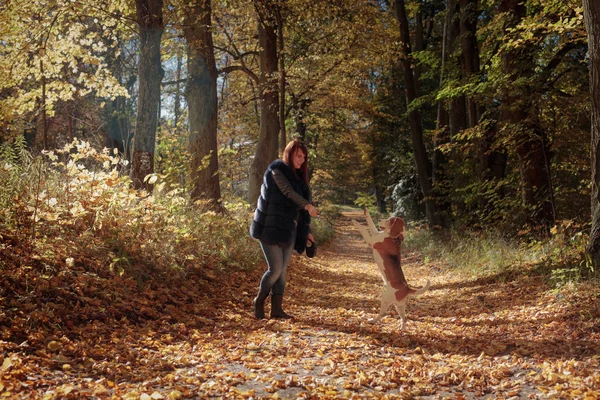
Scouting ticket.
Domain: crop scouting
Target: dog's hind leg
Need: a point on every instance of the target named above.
(385, 305)
(401, 310)
(387, 299)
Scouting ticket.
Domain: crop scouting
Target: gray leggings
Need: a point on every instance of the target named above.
(278, 259)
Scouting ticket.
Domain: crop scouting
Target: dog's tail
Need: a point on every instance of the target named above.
(405, 291)
(416, 292)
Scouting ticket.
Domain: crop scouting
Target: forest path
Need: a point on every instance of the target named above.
(499, 337)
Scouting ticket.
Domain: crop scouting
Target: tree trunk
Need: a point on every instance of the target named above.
(424, 168)
(299, 118)
(282, 132)
(519, 116)
(43, 108)
(457, 112)
(116, 136)
(118, 111)
(469, 52)
(492, 163)
(591, 10)
(70, 121)
(452, 121)
(150, 73)
(419, 46)
(201, 95)
(177, 105)
(266, 147)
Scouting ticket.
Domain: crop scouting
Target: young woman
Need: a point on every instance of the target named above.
(282, 222)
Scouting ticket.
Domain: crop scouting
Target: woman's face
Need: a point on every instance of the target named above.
(298, 159)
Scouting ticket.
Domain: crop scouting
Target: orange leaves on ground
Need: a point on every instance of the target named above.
(465, 338)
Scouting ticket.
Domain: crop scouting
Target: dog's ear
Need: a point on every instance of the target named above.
(397, 227)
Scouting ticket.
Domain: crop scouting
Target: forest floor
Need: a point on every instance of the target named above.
(503, 336)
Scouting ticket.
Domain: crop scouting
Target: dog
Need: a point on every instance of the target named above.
(386, 251)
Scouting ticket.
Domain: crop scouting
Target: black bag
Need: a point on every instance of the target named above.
(302, 231)
(311, 249)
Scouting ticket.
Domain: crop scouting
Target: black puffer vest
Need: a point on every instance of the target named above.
(276, 217)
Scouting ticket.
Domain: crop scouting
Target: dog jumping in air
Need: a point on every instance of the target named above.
(386, 251)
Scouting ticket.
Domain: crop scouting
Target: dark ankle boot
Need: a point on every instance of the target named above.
(276, 310)
(259, 305)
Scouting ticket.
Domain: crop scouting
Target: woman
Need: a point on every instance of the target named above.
(282, 222)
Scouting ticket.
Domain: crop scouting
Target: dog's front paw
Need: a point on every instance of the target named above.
(356, 223)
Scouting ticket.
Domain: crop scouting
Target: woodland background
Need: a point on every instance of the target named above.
(460, 115)
(134, 136)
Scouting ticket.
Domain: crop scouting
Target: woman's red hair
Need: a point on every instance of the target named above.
(291, 149)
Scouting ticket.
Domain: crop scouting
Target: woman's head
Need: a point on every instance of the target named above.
(296, 156)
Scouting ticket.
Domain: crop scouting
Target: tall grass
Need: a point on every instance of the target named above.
(560, 257)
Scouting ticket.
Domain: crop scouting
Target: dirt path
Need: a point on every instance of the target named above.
(494, 338)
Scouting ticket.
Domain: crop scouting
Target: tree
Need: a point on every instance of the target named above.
(592, 22)
(53, 63)
(469, 52)
(424, 167)
(201, 96)
(280, 50)
(150, 23)
(518, 115)
(266, 147)
(119, 111)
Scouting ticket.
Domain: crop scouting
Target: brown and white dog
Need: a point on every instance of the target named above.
(386, 251)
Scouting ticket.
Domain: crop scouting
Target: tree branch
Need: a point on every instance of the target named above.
(164, 83)
(232, 68)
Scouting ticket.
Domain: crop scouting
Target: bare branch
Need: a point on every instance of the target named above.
(232, 68)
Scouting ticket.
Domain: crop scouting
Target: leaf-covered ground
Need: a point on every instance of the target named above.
(77, 336)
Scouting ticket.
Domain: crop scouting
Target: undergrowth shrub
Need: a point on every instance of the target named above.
(323, 227)
(71, 207)
(560, 257)
(173, 158)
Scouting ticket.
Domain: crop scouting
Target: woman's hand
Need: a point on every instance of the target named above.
(310, 240)
(312, 210)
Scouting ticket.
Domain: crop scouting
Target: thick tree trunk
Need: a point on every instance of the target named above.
(592, 20)
(518, 115)
(424, 168)
(150, 73)
(266, 147)
(201, 95)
